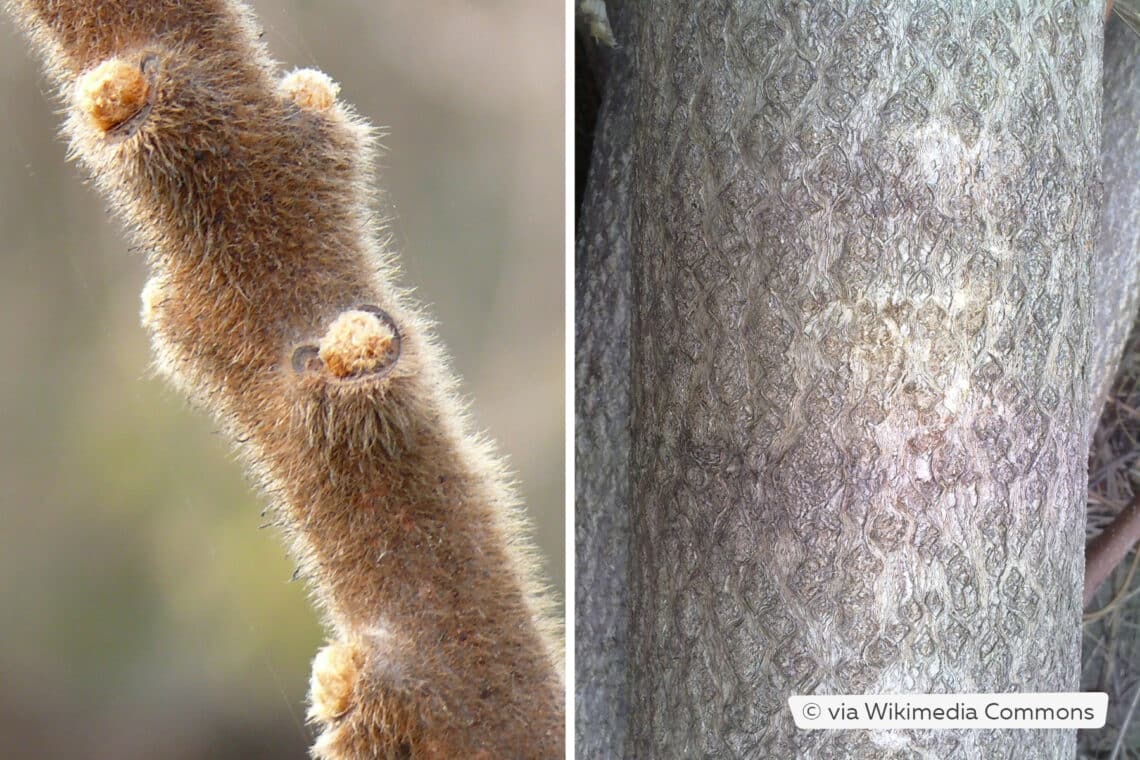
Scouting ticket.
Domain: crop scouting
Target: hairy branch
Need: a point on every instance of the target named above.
(271, 305)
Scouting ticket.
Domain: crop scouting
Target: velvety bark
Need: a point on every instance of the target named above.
(863, 265)
(602, 318)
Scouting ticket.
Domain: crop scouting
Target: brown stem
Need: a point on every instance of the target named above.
(271, 305)
(1106, 551)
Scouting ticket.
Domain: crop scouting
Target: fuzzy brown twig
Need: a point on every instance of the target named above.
(271, 305)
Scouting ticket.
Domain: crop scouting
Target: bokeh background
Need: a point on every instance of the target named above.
(143, 614)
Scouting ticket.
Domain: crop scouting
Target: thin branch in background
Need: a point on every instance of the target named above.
(1108, 549)
(1119, 745)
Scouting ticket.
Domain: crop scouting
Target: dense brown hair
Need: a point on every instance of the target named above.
(271, 303)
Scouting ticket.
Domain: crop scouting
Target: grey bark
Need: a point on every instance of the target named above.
(602, 317)
(863, 240)
(603, 367)
(1116, 276)
(1107, 650)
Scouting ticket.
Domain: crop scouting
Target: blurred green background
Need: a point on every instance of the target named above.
(143, 614)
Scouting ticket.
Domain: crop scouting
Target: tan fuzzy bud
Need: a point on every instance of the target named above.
(112, 93)
(359, 342)
(335, 670)
(310, 89)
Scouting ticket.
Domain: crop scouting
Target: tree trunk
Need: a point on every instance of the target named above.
(863, 249)
(602, 302)
(1116, 276)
